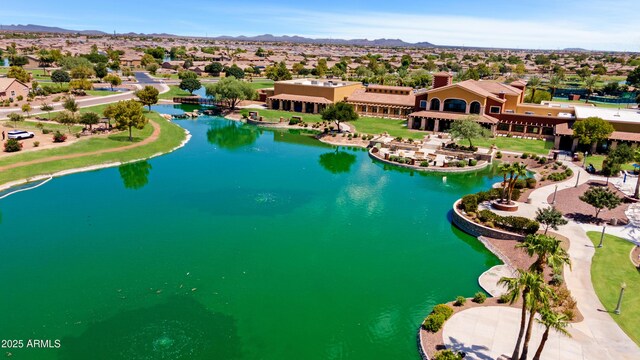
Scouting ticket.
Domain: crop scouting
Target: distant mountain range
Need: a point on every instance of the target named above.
(260, 38)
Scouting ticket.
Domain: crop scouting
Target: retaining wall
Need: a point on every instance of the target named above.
(476, 229)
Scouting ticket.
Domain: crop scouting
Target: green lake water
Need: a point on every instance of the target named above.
(244, 244)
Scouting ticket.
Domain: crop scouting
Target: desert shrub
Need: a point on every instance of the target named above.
(499, 155)
(558, 163)
(479, 297)
(295, 121)
(12, 145)
(531, 182)
(580, 156)
(424, 164)
(59, 137)
(542, 160)
(473, 162)
(460, 301)
(444, 310)
(461, 163)
(446, 355)
(556, 279)
(503, 299)
(36, 143)
(470, 203)
(433, 322)
(520, 184)
(524, 155)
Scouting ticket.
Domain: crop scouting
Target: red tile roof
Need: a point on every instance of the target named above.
(361, 96)
(452, 116)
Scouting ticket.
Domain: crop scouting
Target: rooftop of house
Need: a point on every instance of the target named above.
(319, 82)
(608, 114)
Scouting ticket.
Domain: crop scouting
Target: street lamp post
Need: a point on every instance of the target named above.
(602, 236)
(578, 179)
(554, 195)
(622, 287)
(584, 163)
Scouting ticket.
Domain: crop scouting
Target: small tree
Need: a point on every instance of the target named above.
(26, 108)
(15, 118)
(550, 217)
(592, 130)
(235, 71)
(339, 112)
(148, 96)
(113, 80)
(89, 118)
(589, 85)
(60, 76)
(127, 115)
(600, 197)
(19, 74)
(70, 105)
(231, 91)
(215, 68)
(190, 85)
(152, 68)
(48, 108)
(68, 119)
(468, 128)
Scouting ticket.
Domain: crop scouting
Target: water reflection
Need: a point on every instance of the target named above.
(135, 175)
(337, 162)
(181, 328)
(232, 135)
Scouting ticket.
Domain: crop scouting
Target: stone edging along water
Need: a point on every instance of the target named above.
(475, 229)
(431, 169)
(92, 167)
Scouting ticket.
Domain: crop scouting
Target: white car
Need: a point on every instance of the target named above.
(20, 134)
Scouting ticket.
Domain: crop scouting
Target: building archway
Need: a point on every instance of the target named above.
(475, 108)
(455, 105)
(435, 104)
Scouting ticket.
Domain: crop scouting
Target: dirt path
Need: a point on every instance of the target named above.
(154, 136)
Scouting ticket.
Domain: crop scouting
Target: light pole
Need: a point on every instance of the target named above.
(602, 236)
(622, 287)
(578, 178)
(554, 195)
(584, 163)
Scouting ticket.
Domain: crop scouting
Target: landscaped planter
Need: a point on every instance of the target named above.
(472, 228)
(513, 207)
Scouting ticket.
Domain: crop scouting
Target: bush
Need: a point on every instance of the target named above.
(444, 310)
(473, 162)
(461, 163)
(499, 155)
(524, 155)
(503, 299)
(580, 156)
(59, 137)
(12, 145)
(446, 355)
(470, 203)
(558, 163)
(479, 297)
(542, 160)
(424, 164)
(46, 131)
(36, 143)
(460, 301)
(433, 322)
(556, 279)
(531, 182)
(520, 184)
(295, 121)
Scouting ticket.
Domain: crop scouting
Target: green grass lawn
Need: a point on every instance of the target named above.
(261, 84)
(174, 90)
(275, 115)
(611, 266)
(597, 160)
(100, 92)
(171, 136)
(30, 125)
(541, 147)
(394, 127)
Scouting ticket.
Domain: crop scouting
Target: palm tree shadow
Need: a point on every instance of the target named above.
(476, 351)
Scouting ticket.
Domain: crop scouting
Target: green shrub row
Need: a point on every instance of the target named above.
(517, 224)
(561, 175)
(470, 202)
(435, 320)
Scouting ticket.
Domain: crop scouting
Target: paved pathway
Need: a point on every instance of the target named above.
(598, 334)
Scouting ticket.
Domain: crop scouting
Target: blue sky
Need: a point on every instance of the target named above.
(547, 24)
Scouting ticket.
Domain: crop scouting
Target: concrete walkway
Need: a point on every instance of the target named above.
(598, 334)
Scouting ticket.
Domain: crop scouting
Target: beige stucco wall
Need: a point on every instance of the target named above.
(456, 93)
(17, 89)
(335, 94)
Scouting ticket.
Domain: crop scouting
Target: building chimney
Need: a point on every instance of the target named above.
(501, 95)
(442, 79)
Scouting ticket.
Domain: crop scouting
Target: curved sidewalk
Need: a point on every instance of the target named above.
(599, 335)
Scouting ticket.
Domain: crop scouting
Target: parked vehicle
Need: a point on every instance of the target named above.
(20, 134)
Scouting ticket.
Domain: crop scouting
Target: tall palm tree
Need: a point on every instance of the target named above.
(538, 298)
(551, 320)
(554, 82)
(533, 83)
(504, 169)
(589, 85)
(516, 287)
(548, 252)
(517, 170)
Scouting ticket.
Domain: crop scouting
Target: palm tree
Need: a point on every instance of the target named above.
(521, 285)
(554, 82)
(504, 169)
(636, 158)
(538, 298)
(548, 252)
(517, 170)
(551, 320)
(533, 83)
(589, 85)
